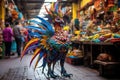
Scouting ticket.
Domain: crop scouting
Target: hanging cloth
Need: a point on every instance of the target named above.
(110, 3)
(98, 4)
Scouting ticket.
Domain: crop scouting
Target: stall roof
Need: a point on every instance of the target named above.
(31, 8)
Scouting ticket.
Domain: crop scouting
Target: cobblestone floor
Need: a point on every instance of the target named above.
(13, 69)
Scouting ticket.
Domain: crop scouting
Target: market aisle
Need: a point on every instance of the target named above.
(13, 69)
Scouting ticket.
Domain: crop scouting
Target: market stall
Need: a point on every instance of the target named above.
(99, 34)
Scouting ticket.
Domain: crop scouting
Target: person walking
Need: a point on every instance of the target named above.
(7, 37)
(18, 37)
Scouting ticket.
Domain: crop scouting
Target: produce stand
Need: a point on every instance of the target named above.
(92, 50)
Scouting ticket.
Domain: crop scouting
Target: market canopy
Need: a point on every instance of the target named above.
(31, 8)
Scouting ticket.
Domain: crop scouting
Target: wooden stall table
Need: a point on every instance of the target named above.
(107, 68)
(91, 50)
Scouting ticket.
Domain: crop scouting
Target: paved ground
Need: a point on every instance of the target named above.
(13, 69)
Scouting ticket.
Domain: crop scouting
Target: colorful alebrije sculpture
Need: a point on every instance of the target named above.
(50, 44)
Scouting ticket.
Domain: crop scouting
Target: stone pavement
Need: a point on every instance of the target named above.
(14, 69)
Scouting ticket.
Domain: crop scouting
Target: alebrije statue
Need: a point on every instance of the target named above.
(49, 42)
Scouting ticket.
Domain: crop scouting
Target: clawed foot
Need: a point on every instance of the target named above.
(52, 75)
(67, 75)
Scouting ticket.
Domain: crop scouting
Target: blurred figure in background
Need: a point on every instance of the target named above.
(18, 37)
(7, 36)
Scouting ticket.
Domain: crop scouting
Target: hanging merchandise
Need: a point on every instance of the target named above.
(92, 12)
(99, 5)
(91, 8)
(14, 12)
(16, 9)
(113, 8)
(20, 15)
(110, 3)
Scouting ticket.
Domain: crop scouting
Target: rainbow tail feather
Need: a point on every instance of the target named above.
(37, 51)
(39, 58)
(32, 43)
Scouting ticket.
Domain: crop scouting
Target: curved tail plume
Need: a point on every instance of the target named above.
(30, 43)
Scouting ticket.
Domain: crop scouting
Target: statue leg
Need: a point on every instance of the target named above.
(51, 71)
(44, 64)
(63, 71)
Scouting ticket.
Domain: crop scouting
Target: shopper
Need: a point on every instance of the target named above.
(18, 37)
(7, 36)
